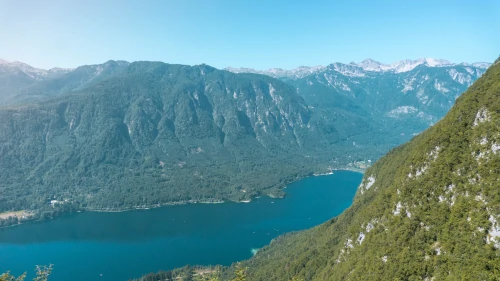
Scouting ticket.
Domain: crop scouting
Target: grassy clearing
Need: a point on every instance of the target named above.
(18, 214)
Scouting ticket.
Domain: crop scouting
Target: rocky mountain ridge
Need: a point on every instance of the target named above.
(357, 69)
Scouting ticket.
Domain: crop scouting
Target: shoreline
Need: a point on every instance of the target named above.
(148, 207)
(342, 169)
(176, 203)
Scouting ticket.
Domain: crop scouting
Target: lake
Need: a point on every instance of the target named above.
(125, 245)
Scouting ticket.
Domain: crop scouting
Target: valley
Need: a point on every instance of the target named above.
(249, 140)
(122, 135)
(151, 135)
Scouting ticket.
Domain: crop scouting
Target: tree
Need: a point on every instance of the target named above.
(241, 273)
(7, 277)
(42, 274)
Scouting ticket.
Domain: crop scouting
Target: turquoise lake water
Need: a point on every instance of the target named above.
(125, 245)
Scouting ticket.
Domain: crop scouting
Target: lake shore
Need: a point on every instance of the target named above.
(169, 238)
(246, 200)
(357, 170)
(18, 214)
(147, 207)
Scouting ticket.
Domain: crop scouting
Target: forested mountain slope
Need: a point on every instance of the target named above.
(428, 210)
(154, 133)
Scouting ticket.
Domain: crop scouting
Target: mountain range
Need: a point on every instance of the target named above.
(366, 65)
(122, 135)
(409, 95)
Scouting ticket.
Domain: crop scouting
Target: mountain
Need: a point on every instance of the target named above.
(296, 73)
(428, 210)
(150, 133)
(407, 101)
(30, 71)
(17, 75)
(32, 84)
(403, 65)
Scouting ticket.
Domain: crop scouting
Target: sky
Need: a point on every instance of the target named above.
(259, 34)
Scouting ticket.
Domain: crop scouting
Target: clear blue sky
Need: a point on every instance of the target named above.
(258, 33)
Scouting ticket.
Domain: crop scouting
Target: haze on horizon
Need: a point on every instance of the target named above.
(257, 34)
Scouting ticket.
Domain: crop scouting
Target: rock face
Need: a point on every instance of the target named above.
(406, 97)
(428, 210)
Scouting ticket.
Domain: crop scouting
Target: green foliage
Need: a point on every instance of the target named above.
(240, 273)
(196, 274)
(42, 274)
(7, 277)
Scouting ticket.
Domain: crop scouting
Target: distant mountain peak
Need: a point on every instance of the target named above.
(408, 64)
(437, 62)
(33, 72)
(372, 65)
(295, 73)
(402, 65)
(369, 62)
(357, 69)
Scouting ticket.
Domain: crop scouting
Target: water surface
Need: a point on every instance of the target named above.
(120, 246)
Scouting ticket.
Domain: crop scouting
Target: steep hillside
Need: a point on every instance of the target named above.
(155, 133)
(428, 210)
